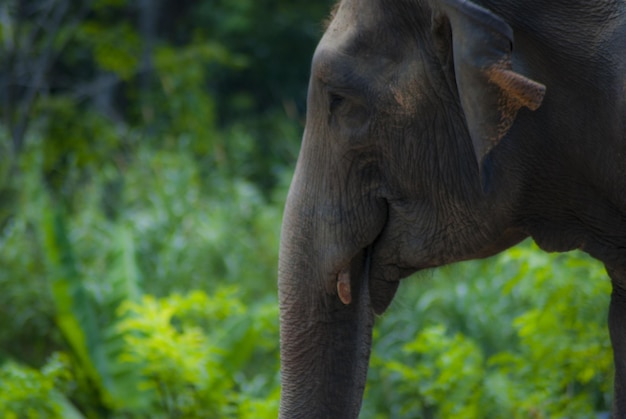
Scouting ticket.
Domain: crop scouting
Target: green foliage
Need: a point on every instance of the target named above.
(94, 344)
(92, 266)
(525, 337)
(442, 368)
(183, 346)
(565, 329)
(177, 363)
(183, 349)
(116, 49)
(30, 394)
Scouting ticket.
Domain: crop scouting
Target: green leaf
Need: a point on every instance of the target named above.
(95, 347)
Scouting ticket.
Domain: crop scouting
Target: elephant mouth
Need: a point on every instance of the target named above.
(383, 283)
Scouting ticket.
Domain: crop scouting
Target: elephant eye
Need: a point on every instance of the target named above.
(335, 101)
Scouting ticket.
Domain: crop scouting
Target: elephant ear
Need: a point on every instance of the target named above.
(491, 93)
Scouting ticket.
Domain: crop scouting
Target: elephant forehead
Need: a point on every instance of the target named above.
(360, 73)
(360, 28)
(352, 13)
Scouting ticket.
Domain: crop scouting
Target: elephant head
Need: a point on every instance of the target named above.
(407, 102)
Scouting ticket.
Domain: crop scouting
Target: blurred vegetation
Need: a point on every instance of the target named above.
(520, 335)
(145, 152)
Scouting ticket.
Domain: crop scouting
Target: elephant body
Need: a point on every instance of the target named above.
(439, 131)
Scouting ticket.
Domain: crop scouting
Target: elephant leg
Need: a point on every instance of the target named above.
(617, 330)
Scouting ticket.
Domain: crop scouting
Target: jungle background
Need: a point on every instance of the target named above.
(146, 148)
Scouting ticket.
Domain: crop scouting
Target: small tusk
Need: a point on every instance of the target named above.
(343, 286)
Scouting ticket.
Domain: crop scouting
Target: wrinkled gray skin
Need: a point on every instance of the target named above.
(429, 142)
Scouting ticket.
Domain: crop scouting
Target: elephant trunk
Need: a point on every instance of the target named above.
(325, 336)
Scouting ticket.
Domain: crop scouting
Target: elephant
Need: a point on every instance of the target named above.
(440, 131)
